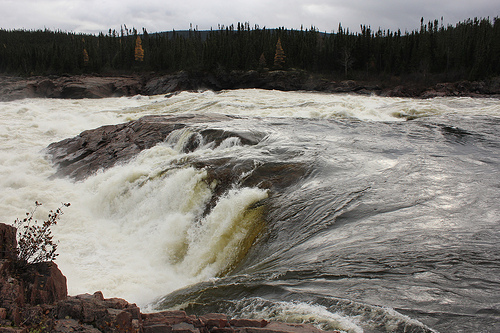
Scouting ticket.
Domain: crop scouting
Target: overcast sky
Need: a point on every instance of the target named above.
(93, 16)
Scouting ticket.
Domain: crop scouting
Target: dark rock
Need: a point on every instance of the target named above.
(106, 146)
(72, 325)
(88, 86)
(3, 313)
(8, 242)
(184, 328)
(78, 86)
(171, 84)
(45, 87)
(157, 328)
(13, 330)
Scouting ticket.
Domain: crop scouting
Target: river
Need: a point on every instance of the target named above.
(355, 213)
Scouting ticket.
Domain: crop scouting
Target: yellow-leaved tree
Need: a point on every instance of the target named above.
(85, 57)
(279, 56)
(139, 51)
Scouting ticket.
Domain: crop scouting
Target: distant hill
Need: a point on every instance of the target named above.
(204, 34)
(182, 33)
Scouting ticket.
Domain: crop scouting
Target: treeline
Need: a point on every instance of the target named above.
(468, 50)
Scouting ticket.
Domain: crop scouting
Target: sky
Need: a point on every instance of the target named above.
(94, 16)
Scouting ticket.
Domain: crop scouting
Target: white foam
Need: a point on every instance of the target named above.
(136, 230)
(300, 312)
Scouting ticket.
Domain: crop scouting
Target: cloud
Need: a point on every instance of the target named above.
(93, 16)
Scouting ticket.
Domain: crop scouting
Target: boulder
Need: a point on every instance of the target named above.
(212, 320)
(248, 323)
(106, 146)
(48, 284)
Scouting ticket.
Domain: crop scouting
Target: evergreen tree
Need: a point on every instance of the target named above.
(468, 50)
(262, 60)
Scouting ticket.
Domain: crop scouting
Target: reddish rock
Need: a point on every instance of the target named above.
(49, 284)
(224, 330)
(98, 295)
(35, 296)
(11, 290)
(248, 323)
(218, 320)
(8, 242)
(122, 320)
(167, 317)
(115, 303)
(3, 313)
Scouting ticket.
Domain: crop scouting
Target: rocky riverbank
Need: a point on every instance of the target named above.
(96, 86)
(34, 298)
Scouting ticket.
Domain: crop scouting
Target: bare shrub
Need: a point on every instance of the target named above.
(35, 242)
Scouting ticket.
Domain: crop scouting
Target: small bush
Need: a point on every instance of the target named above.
(34, 241)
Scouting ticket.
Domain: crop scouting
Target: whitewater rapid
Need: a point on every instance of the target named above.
(140, 230)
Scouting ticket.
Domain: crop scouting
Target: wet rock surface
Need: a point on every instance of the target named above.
(106, 146)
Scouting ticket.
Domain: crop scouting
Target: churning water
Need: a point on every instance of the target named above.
(362, 214)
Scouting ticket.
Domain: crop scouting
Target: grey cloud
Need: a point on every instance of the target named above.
(92, 16)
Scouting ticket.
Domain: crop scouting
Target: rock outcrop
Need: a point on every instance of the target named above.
(8, 241)
(79, 86)
(106, 146)
(95, 86)
(25, 289)
(33, 298)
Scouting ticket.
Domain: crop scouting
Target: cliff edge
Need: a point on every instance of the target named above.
(33, 298)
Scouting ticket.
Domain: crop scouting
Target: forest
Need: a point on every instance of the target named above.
(468, 50)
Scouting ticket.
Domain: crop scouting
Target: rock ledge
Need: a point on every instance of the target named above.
(97, 86)
(33, 298)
